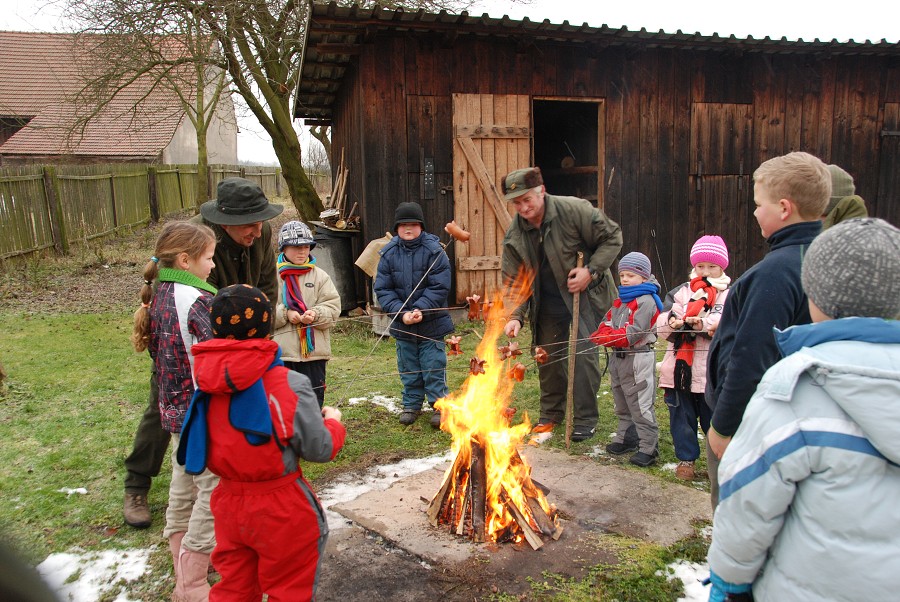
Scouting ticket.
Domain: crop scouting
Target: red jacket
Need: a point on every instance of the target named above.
(222, 366)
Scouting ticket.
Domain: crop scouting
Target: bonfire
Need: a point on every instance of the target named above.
(488, 494)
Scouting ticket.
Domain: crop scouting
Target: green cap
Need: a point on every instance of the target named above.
(518, 182)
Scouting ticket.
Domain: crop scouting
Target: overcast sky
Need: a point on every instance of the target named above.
(860, 20)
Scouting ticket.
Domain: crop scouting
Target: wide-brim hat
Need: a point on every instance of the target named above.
(239, 202)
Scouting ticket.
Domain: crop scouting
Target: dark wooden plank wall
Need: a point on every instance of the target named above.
(396, 106)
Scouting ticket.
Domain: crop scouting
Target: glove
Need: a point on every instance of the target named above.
(722, 591)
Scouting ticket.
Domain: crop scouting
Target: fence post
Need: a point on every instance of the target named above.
(153, 193)
(57, 219)
(278, 181)
(112, 196)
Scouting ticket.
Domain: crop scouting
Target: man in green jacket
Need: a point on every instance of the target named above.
(545, 238)
(244, 255)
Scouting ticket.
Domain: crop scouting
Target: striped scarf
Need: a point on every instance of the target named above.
(293, 297)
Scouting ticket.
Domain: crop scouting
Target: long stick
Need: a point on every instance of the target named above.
(573, 337)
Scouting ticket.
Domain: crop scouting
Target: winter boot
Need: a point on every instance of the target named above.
(175, 549)
(137, 510)
(191, 583)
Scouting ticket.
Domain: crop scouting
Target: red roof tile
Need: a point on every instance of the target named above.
(39, 75)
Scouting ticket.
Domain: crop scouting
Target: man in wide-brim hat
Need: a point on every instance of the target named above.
(244, 255)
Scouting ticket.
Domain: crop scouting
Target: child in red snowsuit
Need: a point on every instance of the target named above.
(250, 421)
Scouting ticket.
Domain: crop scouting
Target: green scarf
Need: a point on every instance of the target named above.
(184, 277)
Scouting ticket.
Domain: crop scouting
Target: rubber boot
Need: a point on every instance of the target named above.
(175, 549)
(191, 584)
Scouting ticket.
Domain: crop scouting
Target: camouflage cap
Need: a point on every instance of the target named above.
(518, 182)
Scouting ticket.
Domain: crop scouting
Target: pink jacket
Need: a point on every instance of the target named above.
(698, 369)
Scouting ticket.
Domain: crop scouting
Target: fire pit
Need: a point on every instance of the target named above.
(488, 493)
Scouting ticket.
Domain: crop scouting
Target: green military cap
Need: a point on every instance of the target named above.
(518, 182)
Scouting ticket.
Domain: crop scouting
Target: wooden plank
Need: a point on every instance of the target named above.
(478, 491)
(461, 199)
(492, 131)
(491, 194)
(478, 263)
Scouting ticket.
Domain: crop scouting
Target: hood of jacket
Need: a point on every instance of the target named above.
(228, 365)
(856, 361)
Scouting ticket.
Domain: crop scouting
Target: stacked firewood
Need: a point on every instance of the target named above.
(335, 203)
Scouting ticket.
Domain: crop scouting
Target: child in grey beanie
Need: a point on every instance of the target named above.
(813, 465)
(853, 269)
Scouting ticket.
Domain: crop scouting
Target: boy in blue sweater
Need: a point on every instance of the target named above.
(790, 193)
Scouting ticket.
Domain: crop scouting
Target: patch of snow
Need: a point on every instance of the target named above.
(391, 404)
(669, 466)
(376, 479)
(90, 576)
(69, 491)
(692, 575)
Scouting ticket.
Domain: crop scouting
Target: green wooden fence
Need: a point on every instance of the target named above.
(57, 206)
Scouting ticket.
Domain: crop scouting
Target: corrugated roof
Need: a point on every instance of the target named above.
(335, 34)
(39, 75)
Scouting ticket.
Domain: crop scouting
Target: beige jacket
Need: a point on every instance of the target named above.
(321, 296)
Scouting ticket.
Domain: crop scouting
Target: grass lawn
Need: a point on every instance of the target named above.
(75, 391)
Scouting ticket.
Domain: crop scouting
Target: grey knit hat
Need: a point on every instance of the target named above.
(294, 234)
(637, 263)
(853, 270)
(841, 185)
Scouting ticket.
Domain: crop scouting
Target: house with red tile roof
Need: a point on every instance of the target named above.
(40, 76)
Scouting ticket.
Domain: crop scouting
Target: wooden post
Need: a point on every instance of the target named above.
(153, 194)
(57, 217)
(478, 484)
(573, 340)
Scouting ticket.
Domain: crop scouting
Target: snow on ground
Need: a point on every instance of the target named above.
(82, 576)
(377, 479)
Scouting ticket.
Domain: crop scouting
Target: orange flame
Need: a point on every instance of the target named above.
(478, 412)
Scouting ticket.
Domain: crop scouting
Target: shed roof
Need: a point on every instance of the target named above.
(336, 33)
(39, 75)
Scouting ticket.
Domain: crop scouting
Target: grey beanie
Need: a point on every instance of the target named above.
(841, 186)
(637, 263)
(853, 270)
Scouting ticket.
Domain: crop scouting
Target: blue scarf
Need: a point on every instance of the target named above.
(248, 412)
(630, 293)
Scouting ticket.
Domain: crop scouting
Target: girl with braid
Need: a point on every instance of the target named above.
(168, 324)
(308, 304)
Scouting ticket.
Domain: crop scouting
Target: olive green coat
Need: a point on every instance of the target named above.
(569, 225)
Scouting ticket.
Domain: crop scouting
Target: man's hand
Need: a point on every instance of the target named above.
(512, 328)
(579, 279)
(717, 443)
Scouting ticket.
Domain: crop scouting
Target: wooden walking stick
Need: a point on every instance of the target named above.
(573, 338)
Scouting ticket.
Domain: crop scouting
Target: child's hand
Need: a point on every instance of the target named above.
(412, 317)
(308, 317)
(293, 316)
(694, 322)
(675, 323)
(332, 413)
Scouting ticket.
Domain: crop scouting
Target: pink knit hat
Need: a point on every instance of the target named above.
(710, 248)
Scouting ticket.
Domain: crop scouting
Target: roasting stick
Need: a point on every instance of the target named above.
(573, 338)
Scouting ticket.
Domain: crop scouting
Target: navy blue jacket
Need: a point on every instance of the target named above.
(402, 265)
(767, 295)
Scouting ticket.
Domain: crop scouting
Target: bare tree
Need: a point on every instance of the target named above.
(158, 49)
(322, 133)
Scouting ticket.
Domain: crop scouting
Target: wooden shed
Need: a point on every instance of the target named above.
(662, 130)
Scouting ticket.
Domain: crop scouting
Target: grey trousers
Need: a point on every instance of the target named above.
(633, 377)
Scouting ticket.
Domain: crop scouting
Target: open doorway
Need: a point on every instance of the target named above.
(568, 146)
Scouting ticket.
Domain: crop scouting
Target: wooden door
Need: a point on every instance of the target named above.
(887, 204)
(721, 182)
(492, 136)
